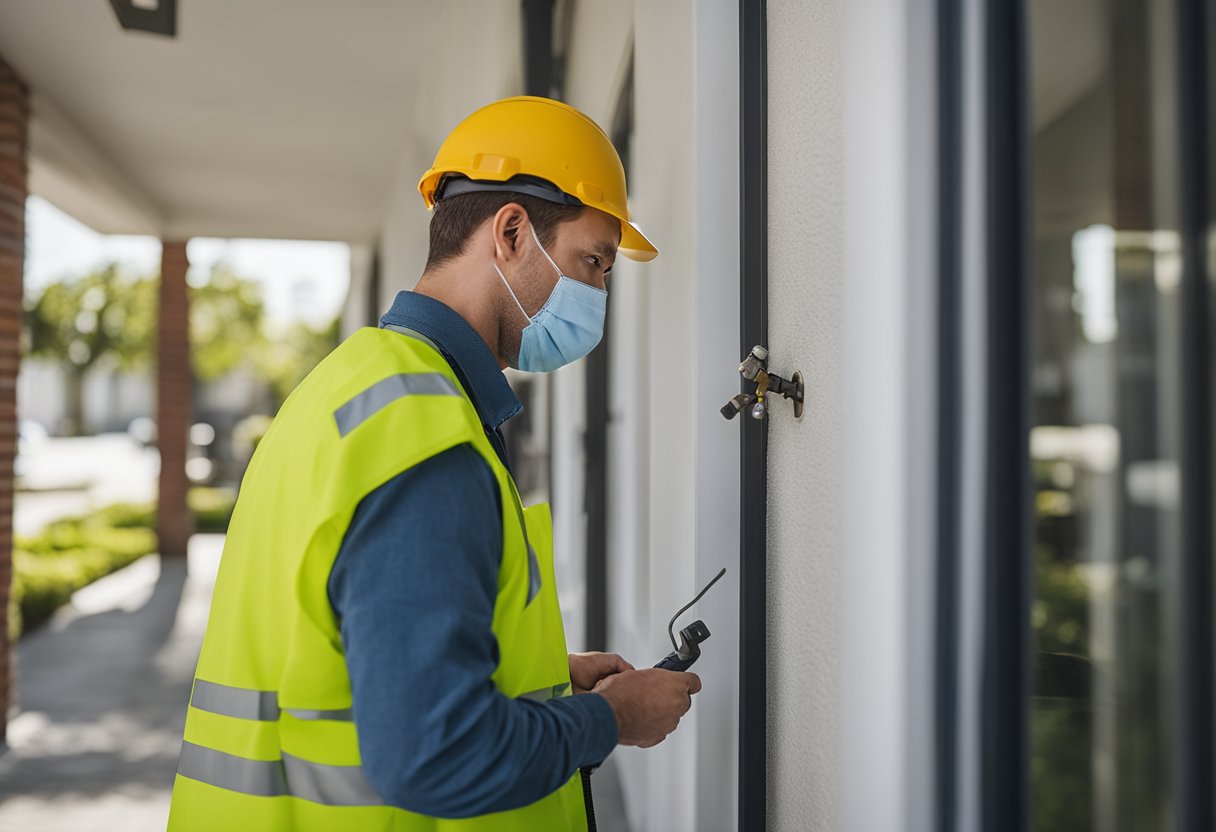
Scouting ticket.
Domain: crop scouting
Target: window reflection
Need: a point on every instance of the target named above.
(1105, 388)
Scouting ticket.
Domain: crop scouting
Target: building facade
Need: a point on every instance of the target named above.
(970, 586)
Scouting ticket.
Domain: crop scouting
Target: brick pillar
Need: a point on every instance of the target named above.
(173, 387)
(14, 122)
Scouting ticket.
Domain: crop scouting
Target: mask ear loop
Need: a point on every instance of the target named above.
(514, 297)
(532, 228)
(522, 311)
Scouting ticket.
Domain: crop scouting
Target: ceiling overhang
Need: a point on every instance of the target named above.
(273, 119)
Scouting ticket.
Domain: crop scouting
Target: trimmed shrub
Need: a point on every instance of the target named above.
(68, 555)
(212, 507)
(128, 516)
(73, 552)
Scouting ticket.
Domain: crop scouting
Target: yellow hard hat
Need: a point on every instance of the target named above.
(539, 147)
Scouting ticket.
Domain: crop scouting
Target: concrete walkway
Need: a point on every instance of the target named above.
(64, 476)
(103, 690)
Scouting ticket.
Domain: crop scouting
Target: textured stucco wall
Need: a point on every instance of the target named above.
(806, 500)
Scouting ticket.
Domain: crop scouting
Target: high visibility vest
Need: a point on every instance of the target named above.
(270, 738)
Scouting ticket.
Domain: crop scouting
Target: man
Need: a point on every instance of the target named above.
(385, 647)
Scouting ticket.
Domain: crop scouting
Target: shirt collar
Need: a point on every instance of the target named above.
(463, 348)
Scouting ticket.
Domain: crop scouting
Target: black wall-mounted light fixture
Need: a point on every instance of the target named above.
(156, 16)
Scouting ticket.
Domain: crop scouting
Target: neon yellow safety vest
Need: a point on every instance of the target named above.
(270, 739)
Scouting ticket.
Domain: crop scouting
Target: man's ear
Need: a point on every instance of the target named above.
(507, 224)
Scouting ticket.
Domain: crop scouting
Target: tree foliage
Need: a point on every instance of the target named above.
(285, 361)
(109, 314)
(226, 324)
(105, 313)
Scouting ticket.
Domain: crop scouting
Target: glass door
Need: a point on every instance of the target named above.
(1113, 378)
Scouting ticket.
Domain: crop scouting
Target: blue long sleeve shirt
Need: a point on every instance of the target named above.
(413, 587)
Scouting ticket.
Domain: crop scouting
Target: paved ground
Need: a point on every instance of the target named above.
(103, 692)
(61, 476)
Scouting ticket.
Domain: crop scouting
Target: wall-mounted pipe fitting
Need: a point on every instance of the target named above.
(754, 368)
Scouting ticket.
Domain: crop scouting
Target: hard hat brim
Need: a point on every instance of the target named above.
(635, 245)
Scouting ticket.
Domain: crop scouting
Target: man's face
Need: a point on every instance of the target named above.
(584, 249)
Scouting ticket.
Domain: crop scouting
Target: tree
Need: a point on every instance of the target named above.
(283, 362)
(106, 314)
(111, 315)
(226, 324)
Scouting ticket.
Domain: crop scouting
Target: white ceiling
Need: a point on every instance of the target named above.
(274, 118)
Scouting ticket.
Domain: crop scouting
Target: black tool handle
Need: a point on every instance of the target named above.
(674, 662)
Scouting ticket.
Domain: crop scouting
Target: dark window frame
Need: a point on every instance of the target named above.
(1195, 732)
(1006, 674)
(753, 465)
(999, 736)
(949, 410)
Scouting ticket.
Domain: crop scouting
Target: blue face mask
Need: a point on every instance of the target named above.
(566, 328)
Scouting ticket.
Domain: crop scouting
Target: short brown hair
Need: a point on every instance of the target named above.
(456, 218)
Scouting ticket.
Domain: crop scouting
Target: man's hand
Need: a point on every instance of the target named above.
(587, 669)
(648, 703)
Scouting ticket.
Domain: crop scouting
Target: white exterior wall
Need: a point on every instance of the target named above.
(716, 355)
(890, 404)
(659, 783)
(851, 304)
(806, 464)
(673, 460)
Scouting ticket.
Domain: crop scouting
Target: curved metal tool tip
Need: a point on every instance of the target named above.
(683, 609)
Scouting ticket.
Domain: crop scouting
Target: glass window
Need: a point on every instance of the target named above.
(1105, 391)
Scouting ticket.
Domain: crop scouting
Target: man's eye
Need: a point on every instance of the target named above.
(595, 261)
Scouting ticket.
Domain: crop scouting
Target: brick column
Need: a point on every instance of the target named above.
(173, 387)
(14, 123)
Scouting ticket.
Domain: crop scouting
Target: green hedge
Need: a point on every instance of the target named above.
(128, 516)
(72, 553)
(68, 555)
(212, 508)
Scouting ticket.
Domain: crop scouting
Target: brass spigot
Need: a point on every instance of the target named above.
(754, 368)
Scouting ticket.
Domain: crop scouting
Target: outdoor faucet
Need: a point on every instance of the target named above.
(755, 369)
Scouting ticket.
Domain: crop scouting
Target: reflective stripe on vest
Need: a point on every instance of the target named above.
(330, 785)
(386, 391)
(260, 705)
(289, 775)
(544, 694)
